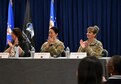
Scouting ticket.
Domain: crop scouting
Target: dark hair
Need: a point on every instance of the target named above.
(18, 33)
(116, 63)
(55, 29)
(90, 71)
(94, 29)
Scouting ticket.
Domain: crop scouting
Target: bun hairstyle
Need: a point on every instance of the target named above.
(94, 29)
(97, 28)
(55, 29)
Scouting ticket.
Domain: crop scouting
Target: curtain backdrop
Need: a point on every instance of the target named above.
(73, 18)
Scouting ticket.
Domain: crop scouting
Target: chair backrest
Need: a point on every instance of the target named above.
(104, 53)
(63, 54)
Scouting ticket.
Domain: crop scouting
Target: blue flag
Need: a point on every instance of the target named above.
(10, 23)
(52, 15)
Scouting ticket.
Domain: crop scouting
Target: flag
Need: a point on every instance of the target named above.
(52, 15)
(27, 25)
(10, 22)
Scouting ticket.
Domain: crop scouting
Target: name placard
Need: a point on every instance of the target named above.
(4, 55)
(78, 55)
(42, 55)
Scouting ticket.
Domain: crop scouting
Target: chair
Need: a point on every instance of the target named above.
(63, 54)
(104, 53)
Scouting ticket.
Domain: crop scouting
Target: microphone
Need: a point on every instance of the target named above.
(32, 51)
(25, 36)
(27, 39)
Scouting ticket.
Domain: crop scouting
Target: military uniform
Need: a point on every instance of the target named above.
(94, 49)
(54, 49)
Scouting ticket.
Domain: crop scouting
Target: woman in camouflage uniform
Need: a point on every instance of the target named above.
(53, 45)
(92, 46)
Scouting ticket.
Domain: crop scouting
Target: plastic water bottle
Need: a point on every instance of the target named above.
(32, 52)
(67, 52)
(16, 51)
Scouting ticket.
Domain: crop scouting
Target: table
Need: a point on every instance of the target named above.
(40, 71)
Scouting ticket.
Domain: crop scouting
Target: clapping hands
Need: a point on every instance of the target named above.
(83, 44)
(9, 43)
(15, 42)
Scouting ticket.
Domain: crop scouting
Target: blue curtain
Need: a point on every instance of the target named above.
(73, 18)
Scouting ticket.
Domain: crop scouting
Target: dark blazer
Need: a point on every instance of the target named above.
(25, 47)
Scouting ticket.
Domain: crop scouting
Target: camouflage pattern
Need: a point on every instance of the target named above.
(94, 49)
(54, 49)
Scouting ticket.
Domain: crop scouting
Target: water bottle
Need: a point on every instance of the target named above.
(32, 52)
(67, 52)
(16, 51)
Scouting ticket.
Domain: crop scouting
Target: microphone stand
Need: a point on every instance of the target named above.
(32, 47)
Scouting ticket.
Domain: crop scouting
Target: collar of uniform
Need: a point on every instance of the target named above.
(57, 40)
(115, 77)
(93, 43)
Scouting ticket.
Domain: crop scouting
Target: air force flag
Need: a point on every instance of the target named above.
(10, 23)
(52, 15)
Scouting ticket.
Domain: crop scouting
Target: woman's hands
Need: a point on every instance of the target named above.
(9, 43)
(83, 44)
(51, 40)
(15, 42)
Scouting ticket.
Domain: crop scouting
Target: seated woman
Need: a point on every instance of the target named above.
(90, 71)
(92, 46)
(53, 45)
(114, 69)
(17, 39)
